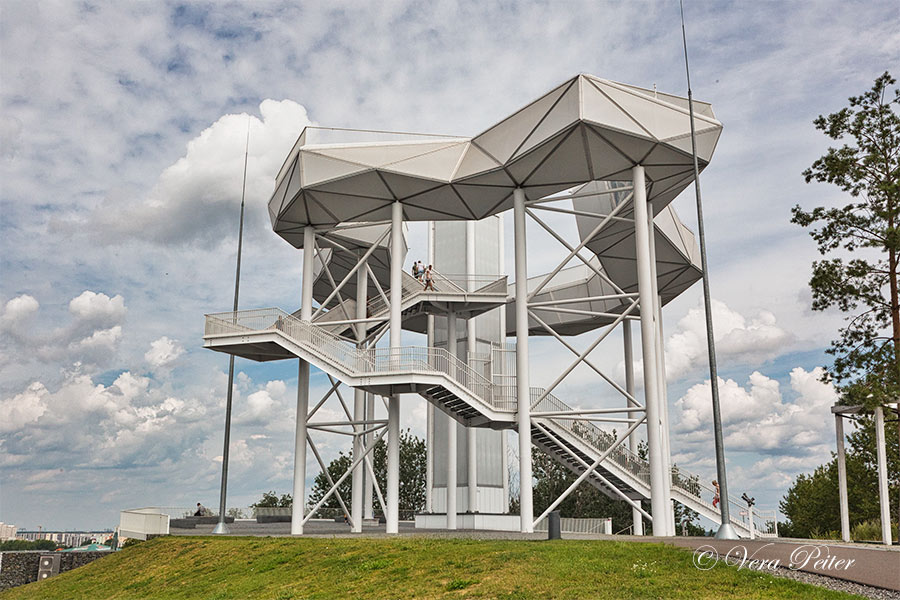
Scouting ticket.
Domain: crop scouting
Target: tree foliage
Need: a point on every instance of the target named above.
(271, 500)
(412, 474)
(811, 503)
(861, 280)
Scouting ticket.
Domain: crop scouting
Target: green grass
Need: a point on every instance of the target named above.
(305, 568)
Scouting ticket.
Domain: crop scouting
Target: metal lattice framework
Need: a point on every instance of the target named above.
(611, 156)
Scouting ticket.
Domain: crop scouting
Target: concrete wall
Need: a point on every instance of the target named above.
(21, 567)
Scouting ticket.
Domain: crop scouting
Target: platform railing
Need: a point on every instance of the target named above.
(356, 362)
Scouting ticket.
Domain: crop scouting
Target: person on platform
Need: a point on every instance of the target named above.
(716, 498)
(429, 279)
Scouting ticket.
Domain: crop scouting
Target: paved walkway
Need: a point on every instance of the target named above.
(872, 565)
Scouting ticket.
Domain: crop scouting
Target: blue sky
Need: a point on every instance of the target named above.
(122, 128)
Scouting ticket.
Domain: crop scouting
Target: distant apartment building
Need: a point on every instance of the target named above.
(7, 532)
(66, 538)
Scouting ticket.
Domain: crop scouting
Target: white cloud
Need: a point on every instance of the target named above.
(757, 418)
(18, 309)
(24, 408)
(102, 339)
(98, 307)
(739, 340)
(163, 352)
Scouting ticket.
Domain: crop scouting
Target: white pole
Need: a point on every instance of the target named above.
(750, 515)
(392, 518)
(359, 405)
(429, 407)
(471, 440)
(523, 390)
(472, 347)
(368, 482)
(504, 435)
(883, 502)
(842, 477)
(451, 433)
(299, 487)
(636, 518)
(660, 374)
(658, 502)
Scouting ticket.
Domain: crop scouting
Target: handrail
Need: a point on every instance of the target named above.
(600, 440)
(410, 286)
(359, 362)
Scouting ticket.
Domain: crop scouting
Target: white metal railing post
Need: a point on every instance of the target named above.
(842, 477)
(636, 518)
(299, 487)
(658, 501)
(523, 391)
(883, 500)
(359, 405)
(392, 517)
(452, 346)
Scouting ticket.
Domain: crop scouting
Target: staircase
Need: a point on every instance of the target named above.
(457, 389)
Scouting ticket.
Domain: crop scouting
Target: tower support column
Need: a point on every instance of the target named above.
(392, 518)
(451, 432)
(658, 501)
(299, 487)
(359, 405)
(523, 390)
(637, 519)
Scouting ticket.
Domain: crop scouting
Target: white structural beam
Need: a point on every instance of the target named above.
(523, 391)
(429, 407)
(883, 500)
(369, 482)
(451, 432)
(392, 518)
(636, 517)
(472, 347)
(661, 374)
(359, 406)
(299, 487)
(658, 501)
(842, 476)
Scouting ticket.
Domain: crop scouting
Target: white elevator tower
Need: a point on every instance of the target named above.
(474, 248)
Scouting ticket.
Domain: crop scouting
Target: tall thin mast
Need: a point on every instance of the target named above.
(726, 531)
(221, 528)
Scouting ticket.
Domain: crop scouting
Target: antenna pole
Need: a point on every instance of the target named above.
(221, 528)
(726, 531)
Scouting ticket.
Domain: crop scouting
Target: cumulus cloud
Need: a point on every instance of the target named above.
(19, 308)
(195, 199)
(24, 408)
(98, 307)
(758, 418)
(163, 352)
(739, 339)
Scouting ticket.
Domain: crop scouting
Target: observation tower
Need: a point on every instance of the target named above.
(607, 158)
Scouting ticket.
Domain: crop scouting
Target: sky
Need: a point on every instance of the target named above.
(122, 130)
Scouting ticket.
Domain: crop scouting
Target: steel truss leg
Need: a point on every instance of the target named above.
(658, 501)
(451, 432)
(359, 403)
(523, 390)
(636, 518)
(392, 518)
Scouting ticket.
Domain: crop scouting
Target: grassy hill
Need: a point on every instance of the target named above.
(292, 569)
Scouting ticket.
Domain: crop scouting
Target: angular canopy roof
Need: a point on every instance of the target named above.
(583, 130)
(677, 253)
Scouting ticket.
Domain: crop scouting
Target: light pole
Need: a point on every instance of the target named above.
(221, 528)
(726, 531)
